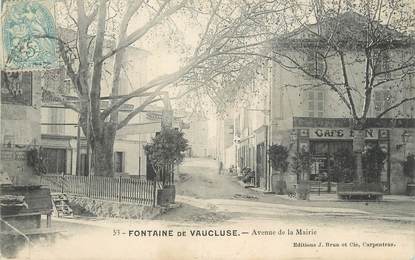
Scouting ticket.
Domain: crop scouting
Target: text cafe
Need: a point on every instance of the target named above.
(341, 133)
(326, 142)
(325, 138)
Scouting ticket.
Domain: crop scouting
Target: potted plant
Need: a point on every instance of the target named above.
(373, 158)
(301, 165)
(409, 170)
(166, 150)
(344, 165)
(278, 155)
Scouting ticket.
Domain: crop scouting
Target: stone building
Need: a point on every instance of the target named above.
(60, 132)
(224, 141)
(197, 136)
(304, 113)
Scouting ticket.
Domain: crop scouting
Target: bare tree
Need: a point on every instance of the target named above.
(104, 29)
(357, 47)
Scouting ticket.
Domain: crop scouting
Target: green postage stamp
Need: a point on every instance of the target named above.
(28, 35)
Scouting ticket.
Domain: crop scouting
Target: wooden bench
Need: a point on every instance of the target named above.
(365, 191)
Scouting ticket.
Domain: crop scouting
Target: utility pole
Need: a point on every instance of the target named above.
(88, 135)
(78, 148)
(269, 135)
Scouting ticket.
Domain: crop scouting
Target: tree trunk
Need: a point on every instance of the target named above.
(359, 168)
(306, 176)
(103, 154)
(358, 146)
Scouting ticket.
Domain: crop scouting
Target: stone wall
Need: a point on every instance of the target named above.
(94, 207)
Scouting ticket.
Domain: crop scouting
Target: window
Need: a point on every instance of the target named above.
(314, 63)
(119, 162)
(383, 64)
(57, 120)
(55, 160)
(314, 103)
(67, 85)
(382, 101)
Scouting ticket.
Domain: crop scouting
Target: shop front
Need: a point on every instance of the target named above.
(326, 154)
(330, 143)
(328, 139)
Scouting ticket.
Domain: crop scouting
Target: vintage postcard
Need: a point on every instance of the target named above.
(207, 129)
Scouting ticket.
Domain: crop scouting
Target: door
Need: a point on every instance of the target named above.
(83, 166)
(323, 161)
(260, 165)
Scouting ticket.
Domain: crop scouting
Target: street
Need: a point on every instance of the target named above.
(209, 201)
(119, 120)
(199, 186)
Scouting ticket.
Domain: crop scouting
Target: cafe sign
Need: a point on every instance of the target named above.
(340, 133)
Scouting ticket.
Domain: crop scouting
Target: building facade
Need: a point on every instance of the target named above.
(304, 113)
(62, 140)
(197, 136)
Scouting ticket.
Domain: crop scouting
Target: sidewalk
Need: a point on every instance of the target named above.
(392, 207)
(333, 196)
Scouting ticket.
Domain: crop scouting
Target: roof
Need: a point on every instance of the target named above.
(347, 122)
(349, 29)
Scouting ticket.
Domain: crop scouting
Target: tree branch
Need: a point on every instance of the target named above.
(346, 84)
(137, 110)
(159, 82)
(137, 34)
(395, 106)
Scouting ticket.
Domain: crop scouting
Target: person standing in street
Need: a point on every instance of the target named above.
(220, 167)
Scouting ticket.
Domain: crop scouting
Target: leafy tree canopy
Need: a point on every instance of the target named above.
(166, 148)
(278, 154)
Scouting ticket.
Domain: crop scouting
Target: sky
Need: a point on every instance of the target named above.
(166, 50)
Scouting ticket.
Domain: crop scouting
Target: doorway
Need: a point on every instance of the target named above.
(260, 165)
(323, 162)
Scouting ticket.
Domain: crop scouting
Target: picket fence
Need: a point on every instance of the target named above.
(121, 189)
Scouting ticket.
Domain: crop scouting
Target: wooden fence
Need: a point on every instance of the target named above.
(119, 189)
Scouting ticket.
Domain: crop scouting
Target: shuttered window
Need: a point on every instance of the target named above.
(382, 101)
(315, 103)
(314, 63)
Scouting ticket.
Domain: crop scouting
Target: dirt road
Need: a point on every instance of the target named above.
(266, 227)
(199, 178)
(202, 192)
